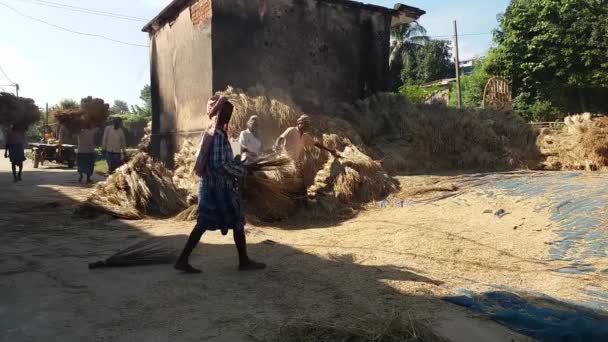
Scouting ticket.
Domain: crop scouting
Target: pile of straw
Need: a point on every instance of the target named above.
(17, 110)
(146, 140)
(359, 330)
(183, 176)
(275, 116)
(140, 188)
(269, 192)
(581, 145)
(352, 179)
(419, 138)
(92, 111)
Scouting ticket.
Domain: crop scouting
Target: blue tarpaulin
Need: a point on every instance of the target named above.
(543, 319)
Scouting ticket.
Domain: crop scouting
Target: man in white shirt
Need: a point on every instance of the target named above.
(251, 145)
(114, 144)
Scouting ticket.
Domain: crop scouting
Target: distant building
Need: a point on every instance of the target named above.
(310, 52)
(466, 67)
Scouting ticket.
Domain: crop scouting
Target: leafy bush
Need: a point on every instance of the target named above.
(417, 94)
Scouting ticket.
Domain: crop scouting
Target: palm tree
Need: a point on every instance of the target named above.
(405, 39)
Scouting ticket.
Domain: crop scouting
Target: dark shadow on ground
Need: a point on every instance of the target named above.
(48, 293)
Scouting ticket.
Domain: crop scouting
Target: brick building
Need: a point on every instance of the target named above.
(307, 51)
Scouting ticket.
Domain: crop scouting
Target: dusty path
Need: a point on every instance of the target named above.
(382, 262)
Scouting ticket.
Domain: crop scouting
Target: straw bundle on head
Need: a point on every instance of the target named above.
(140, 188)
(17, 110)
(96, 111)
(72, 119)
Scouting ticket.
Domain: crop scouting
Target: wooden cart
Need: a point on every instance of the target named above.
(60, 154)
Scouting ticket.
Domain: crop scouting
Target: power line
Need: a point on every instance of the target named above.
(69, 30)
(84, 10)
(5, 75)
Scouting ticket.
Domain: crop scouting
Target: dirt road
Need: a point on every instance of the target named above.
(397, 259)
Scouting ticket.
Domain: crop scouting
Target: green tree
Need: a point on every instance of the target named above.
(146, 96)
(119, 107)
(404, 39)
(428, 63)
(554, 51)
(67, 104)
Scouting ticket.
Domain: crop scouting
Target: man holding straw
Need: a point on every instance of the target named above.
(219, 204)
(296, 139)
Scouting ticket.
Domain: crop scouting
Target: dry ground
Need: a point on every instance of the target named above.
(385, 260)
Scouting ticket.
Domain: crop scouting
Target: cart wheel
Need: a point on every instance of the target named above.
(70, 164)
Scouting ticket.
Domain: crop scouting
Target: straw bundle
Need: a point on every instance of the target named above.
(92, 111)
(96, 111)
(152, 251)
(271, 191)
(72, 119)
(352, 179)
(581, 145)
(17, 110)
(140, 188)
(183, 176)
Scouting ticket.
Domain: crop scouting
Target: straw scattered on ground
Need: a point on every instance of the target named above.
(17, 110)
(140, 188)
(393, 329)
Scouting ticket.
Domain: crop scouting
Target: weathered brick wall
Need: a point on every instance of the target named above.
(200, 11)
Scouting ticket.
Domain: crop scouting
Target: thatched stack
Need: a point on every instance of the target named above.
(140, 188)
(17, 110)
(418, 138)
(581, 145)
(92, 111)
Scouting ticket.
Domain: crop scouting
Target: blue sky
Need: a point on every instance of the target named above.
(51, 64)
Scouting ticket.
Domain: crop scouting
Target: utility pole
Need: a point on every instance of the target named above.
(17, 89)
(47, 116)
(457, 65)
